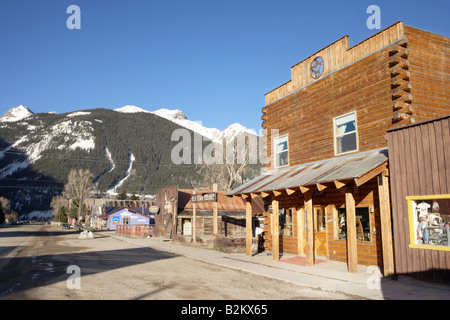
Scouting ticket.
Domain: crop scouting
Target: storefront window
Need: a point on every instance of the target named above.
(285, 221)
(362, 224)
(429, 218)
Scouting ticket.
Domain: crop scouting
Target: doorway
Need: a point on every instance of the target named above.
(320, 231)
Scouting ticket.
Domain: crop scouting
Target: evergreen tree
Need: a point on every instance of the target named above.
(122, 195)
(61, 215)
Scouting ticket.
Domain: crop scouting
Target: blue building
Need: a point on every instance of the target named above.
(127, 216)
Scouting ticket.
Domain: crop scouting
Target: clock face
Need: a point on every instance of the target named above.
(317, 67)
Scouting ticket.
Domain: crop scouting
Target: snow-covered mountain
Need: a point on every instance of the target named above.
(16, 114)
(132, 151)
(178, 117)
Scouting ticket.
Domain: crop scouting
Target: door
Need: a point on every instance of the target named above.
(320, 232)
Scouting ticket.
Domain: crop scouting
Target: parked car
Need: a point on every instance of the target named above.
(65, 226)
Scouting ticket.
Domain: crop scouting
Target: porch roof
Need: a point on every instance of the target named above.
(339, 170)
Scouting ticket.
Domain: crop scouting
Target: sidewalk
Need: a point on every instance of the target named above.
(326, 275)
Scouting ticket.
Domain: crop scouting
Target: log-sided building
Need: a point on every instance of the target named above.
(326, 184)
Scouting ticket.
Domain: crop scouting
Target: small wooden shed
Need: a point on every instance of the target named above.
(419, 160)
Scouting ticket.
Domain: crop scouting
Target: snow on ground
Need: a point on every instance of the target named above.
(113, 190)
(39, 215)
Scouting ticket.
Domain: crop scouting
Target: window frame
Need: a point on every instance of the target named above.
(412, 222)
(276, 153)
(336, 136)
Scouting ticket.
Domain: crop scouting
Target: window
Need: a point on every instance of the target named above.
(281, 151)
(362, 224)
(429, 221)
(125, 220)
(285, 222)
(345, 133)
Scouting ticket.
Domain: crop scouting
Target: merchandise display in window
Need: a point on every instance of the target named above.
(362, 224)
(431, 221)
(285, 222)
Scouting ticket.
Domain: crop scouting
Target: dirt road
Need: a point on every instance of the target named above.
(35, 260)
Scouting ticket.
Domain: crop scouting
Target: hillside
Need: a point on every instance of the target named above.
(126, 147)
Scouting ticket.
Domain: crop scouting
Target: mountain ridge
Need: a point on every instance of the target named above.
(38, 150)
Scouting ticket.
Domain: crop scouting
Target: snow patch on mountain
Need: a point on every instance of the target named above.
(16, 114)
(178, 117)
(131, 159)
(75, 134)
(130, 109)
(78, 113)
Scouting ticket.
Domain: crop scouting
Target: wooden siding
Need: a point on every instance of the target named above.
(429, 64)
(419, 158)
(307, 115)
(336, 56)
(398, 77)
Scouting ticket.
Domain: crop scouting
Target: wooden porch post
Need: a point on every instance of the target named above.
(299, 232)
(352, 251)
(275, 231)
(215, 215)
(194, 222)
(309, 228)
(386, 225)
(248, 225)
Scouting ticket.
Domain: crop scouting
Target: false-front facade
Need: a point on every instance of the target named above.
(326, 185)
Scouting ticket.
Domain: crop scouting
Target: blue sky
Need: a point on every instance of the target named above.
(215, 60)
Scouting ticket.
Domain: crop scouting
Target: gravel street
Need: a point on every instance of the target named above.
(40, 262)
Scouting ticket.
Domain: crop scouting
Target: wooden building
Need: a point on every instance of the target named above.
(326, 185)
(199, 219)
(419, 161)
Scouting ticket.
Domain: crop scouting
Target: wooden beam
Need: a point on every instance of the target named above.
(371, 174)
(248, 227)
(304, 189)
(245, 195)
(276, 193)
(254, 195)
(340, 184)
(309, 229)
(386, 225)
(290, 191)
(352, 250)
(320, 186)
(402, 106)
(265, 194)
